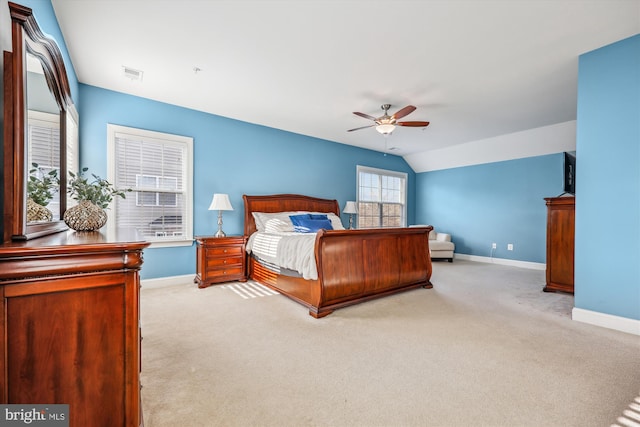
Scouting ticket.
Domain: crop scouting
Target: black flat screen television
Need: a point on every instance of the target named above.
(570, 173)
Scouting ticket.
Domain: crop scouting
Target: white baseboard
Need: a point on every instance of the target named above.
(502, 261)
(623, 324)
(161, 282)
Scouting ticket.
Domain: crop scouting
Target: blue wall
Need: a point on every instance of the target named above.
(607, 259)
(230, 157)
(501, 202)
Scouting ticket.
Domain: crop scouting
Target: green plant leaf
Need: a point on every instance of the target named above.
(99, 191)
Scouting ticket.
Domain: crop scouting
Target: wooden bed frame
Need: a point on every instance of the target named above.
(353, 265)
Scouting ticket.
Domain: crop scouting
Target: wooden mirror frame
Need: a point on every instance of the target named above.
(28, 37)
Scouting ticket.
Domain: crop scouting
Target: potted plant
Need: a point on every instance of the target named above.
(41, 187)
(93, 195)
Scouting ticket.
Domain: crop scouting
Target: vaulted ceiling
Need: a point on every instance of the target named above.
(474, 69)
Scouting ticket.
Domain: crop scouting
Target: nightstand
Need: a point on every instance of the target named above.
(220, 259)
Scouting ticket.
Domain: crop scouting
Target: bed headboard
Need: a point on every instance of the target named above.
(283, 203)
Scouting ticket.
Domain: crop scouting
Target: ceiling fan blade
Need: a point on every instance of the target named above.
(363, 127)
(403, 112)
(413, 124)
(366, 116)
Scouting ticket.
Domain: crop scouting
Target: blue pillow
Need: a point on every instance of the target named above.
(309, 225)
(299, 216)
(318, 216)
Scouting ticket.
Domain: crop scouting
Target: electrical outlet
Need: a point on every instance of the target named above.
(494, 245)
(510, 247)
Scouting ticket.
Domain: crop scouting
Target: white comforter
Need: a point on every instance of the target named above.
(287, 250)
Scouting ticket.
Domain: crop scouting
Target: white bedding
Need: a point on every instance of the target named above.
(287, 250)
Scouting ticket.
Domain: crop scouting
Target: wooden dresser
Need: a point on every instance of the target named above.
(220, 259)
(70, 326)
(560, 243)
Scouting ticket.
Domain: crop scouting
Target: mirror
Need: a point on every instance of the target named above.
(42, 147)
(40, 121)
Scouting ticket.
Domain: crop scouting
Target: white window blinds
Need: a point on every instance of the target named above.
(73, 162)
(44, 149)
(381, 198)
(158, 168)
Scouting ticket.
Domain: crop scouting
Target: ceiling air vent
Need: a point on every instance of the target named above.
(130, 73)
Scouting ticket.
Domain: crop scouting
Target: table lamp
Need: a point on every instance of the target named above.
(350, 208)
(220, 203)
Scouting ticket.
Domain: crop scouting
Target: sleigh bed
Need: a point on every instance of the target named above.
(351, 266)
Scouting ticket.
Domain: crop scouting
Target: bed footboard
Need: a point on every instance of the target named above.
(357, 265)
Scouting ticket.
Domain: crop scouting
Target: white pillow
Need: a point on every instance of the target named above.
(335, 221)
(278, 225)
(261, 219)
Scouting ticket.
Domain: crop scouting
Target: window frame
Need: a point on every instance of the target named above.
(381, 173)
(186, 237)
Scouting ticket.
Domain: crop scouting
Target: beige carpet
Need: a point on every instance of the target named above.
(484, 347)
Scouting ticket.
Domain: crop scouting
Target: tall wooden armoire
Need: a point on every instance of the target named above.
(560, 243)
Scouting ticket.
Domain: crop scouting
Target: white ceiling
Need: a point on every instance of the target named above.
(474, 69)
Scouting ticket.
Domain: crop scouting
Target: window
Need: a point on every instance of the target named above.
(156, 198)
(158, 168)
(44, 148)
(381, 198)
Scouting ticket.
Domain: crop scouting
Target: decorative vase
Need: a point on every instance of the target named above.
(85, 216)
(37, 213)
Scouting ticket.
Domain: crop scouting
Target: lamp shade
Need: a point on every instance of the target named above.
(220, 202)
(350, 208)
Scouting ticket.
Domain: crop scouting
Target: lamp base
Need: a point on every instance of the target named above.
(220, 233)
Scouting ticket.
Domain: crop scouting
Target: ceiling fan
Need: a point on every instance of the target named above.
(386, 123)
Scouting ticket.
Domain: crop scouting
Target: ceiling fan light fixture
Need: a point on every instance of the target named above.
(386, 123)
(385, 128)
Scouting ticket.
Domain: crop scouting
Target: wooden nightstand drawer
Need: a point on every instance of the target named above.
(225, 251)
(220, 259)
(221, 262)
(231, 273)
